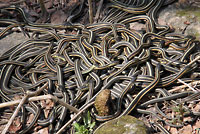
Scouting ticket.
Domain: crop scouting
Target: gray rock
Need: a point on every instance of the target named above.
(123, 125)
(183, 20)
(10, 41)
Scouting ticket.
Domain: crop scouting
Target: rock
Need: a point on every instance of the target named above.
(123, 125)
(10, 41)
(102, 103)
(183, 19)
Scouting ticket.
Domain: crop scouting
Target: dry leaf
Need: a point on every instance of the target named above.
(196, 125)
(71, 3)
(197, 107)
(167, 127)
(15, 126)
(43, 103)
(49, 4)
(17, 97)
(137, 26)
(43, 131)
(173, 130)
(33, 13)
(30, 118)
(191, 105)
(187, 22)
(46, 113)
(58, 17)
(49, 104)
(36, 129)
(187, 119)
(186, 130)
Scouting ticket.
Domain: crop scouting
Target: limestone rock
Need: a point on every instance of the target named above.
(102, 103)
(123, 125)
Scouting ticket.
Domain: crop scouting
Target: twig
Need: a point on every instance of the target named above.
(178, 88)
(74, 117)
(73, 109)
(197, 58)
(29, 94)
(187, 85)
(183, 86)
(98, 10)
(14, 114)
(45, 14)
(12, 3)
(191, 97)
(90, 11)
(42, 97)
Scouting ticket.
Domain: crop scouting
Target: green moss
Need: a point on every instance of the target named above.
(189, 12)
(193, 32)
(183, 12)
(197, 34)
(124, 125)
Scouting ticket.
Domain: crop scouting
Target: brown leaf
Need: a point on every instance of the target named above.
(197, 107)
(17, 97)
(49, 4)
(167, 127)
(42, 131)
(187, 22)
(173, 130)
(49, 104)
(196, 125)
(187, 119)
(17, 121)
(186, 130)
(33, 13)
(15, 126)
(36, 129)
(43, 103)
(58, 17)
(71, 3)
(46, 113)
(137, 26)
(191, 105)
(31, 117)
(55, 2)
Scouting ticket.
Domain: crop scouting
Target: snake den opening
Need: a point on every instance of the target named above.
(99, 67)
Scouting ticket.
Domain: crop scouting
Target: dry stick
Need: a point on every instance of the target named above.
(98, 11)
(187, 85)
(42, 97)
(191, 97)
(29, 94)
(183, 86)
(74, 117)
(178, 88)
(43, 10)
(73, 109)
(14, 114)
(90, 11)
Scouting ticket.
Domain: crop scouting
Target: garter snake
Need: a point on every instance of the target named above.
(104, 55)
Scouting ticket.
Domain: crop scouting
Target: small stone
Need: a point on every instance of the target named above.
(137, 26)
(123, 125)
(186, 22)
(102, 103)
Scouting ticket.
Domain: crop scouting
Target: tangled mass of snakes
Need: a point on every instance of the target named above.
(105, 56)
